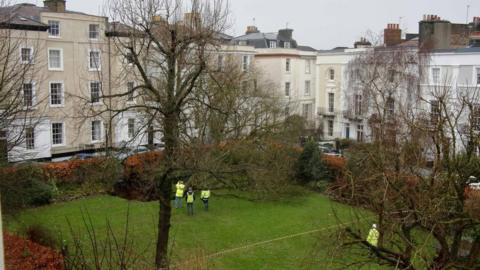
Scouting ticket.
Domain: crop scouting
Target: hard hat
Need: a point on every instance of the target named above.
(374, 226)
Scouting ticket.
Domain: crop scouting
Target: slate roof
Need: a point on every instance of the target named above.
(25, 16)
(306, 48)
(261, 40)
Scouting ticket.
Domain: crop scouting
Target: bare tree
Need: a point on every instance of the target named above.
(20, 108)
(414, 173)
(187, 86)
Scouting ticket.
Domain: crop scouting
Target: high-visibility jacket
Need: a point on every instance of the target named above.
(205, 194)
(372, 237)
(180, 189)
(190, 197)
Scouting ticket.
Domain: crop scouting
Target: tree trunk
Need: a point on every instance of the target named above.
(165, 211)
(164, 184)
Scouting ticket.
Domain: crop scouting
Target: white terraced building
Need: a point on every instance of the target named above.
(314, 84)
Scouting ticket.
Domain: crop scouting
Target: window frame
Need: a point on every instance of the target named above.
(331, 74)
(63, 135)
(347, 131)
(331, 102)
(307, 111)
(245, 63)
(130, 96)
(287, 45)
(288, 65)
(330, 127)
(58, 35)
(358, 104)
(272, 44)
(435, 111)
(308, 88)
(100, 131)
(62, 94)
(390, 107)
(30, 140)
(91, 92)
(477, 70)
(360, 133)
(50, 62)
(308, 66)
(220, 62)
(436, 76)
(97, 37)
(30, 60)
(90, 68)
(33, 101)
(130, 132)
(475, 117)
(288, 90)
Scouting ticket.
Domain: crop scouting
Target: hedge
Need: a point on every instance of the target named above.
(38, 184)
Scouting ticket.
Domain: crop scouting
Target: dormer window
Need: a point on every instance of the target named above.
(287, 45)
(273, 44)
(242, 43)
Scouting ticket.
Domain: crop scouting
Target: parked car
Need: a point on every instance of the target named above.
(82, 156)
(126, 152)
(140, 149)
(328, 148)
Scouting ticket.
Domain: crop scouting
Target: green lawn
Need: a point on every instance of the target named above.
(230, 223)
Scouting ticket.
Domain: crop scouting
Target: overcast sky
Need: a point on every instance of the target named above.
(324, 24)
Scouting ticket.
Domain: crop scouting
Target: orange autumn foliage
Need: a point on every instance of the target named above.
(335, 163)
(64, 171)
(143, 163)
(23, 254)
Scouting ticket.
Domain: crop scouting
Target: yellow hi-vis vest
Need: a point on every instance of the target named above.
(180, 188)
(205, 194)
(189, 197)
(372, 237)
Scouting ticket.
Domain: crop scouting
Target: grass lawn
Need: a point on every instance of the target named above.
(230, 223)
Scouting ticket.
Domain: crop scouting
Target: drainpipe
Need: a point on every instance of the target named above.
(109, 141)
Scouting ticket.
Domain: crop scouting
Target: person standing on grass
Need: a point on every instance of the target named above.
(179, 194)
(190, 198)
(204, 196)
(373, 235)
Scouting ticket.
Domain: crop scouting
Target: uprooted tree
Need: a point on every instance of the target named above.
(415, 172)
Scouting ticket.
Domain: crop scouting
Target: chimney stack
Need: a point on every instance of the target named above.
(252, 29)
(362, 43)
(192, 19)
(431, 18)
(392, 35)
(55, 5)
(286, 33)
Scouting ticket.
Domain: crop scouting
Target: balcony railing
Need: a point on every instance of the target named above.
(327, 112)
(352, 115)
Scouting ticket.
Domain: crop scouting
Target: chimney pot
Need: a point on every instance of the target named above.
(55, 5)
(251, 29)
